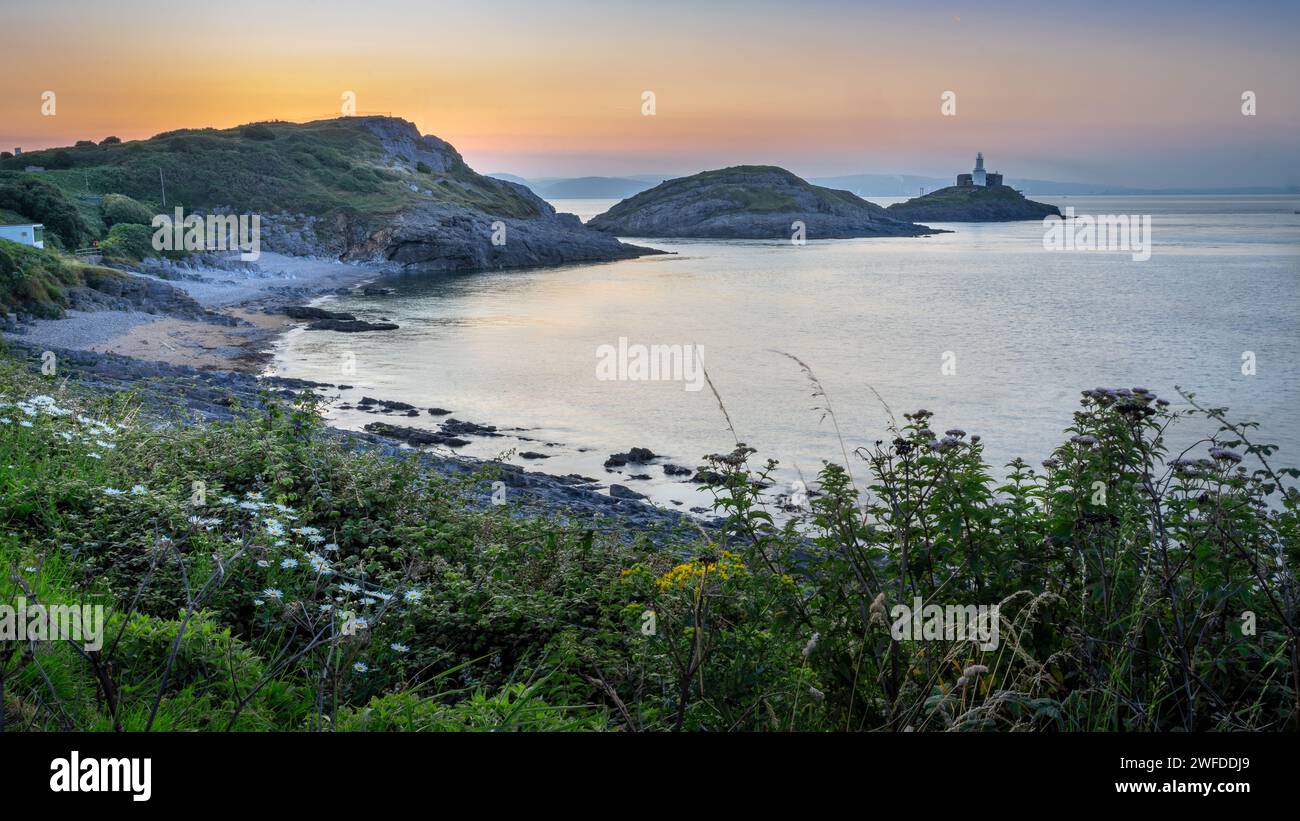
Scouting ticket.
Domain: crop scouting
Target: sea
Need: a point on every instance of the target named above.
(814, 350)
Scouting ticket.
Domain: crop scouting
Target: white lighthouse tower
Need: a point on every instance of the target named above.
(978, 174)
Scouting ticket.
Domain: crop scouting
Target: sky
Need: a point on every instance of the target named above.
(1142, 94)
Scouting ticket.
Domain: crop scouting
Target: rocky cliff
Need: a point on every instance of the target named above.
(356, 188)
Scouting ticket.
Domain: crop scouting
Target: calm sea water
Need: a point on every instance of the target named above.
(1027, 329)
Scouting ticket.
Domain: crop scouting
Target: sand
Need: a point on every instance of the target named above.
(243, 294)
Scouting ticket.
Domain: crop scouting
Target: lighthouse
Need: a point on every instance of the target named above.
(979, 177)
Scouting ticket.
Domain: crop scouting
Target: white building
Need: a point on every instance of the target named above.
(978, 173)
(32, 233)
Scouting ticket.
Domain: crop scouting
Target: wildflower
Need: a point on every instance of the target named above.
(399, 647)
(112, 491)
(1225, 455)
(413, 596)
(811, 645)
(138, 490)
(877, 609)
(361, 667)
(258, 602)
(361, 623)
(24, 423)
(1087, 440)
(273, 527)
(263, 563)
(94, 456)
(288, 564)
(331, 547)
(273, 593)
(349, 587)
(955, 432)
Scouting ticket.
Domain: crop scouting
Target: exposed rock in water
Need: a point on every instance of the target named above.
(439, 412)
(677, 470)
(972, 203)
(636, 456)
(305, 312)
(415, 436)
(708, 476)
(460, 428)
(750, 202)
(532, 454)
(350, 326)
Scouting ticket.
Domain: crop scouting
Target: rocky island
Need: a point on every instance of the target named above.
(972, 204)
(978, 196)
(750, 202)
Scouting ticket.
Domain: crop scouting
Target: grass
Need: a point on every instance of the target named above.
(260, 574)
(736, 185)
(323, 168)
(35, 281)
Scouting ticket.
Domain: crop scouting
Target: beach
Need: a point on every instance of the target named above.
(242, 300)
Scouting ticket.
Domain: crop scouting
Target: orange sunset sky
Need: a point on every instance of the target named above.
(1100, 92)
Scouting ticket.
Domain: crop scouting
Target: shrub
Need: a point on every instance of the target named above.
(46, 203)
(257, 131)
(111, 141)
(128, 242)
(119, 208)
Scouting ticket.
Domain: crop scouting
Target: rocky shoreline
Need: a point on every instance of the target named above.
(172, 392)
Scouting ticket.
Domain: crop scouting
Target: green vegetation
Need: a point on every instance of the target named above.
(128, 242)
(120, 209)
(972, 203)
(321, 168)
(736, 184)
(38, 200)
(260, 575)
(35, 281)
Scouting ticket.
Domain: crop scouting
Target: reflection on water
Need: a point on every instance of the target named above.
(1025, 328)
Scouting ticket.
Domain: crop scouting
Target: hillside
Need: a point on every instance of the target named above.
(999, 203)
(358, 188)
(749, 202)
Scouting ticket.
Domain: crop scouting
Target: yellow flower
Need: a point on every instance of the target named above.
(727, 565)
